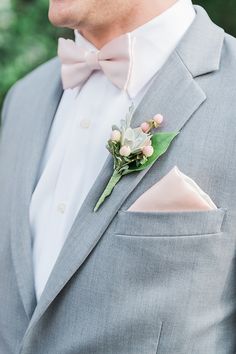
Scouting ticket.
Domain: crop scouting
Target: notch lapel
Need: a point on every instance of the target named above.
(176, 95)
(39, 113)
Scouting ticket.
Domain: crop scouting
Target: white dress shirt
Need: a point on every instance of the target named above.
(76, 152)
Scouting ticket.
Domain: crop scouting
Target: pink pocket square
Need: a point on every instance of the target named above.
(174, 192)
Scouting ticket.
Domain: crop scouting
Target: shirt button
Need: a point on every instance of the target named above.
(61, 207)
(85, 123)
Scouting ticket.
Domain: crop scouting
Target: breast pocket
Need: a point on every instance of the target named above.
(169, 224)
(172, 260)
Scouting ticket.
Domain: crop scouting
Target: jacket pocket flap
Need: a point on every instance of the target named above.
(169, 223)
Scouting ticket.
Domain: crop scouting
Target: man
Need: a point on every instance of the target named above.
(153, 269)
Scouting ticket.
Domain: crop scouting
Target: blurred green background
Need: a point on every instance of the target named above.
(27, 39)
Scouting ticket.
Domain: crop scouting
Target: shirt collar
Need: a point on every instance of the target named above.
(153, 42)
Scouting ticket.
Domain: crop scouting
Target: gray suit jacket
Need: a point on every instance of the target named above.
(128, 282)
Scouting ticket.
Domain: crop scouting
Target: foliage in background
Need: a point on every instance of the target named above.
(27, 39)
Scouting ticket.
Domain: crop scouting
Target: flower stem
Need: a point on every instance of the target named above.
(116, 176)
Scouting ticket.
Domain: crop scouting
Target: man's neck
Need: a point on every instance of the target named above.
(140, 15)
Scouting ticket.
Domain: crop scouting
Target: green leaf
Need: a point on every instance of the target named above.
(160, 143)
(108, 190)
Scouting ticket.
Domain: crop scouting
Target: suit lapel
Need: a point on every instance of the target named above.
(41, 111)
(176, 95)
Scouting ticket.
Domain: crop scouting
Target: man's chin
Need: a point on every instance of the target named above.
(65, 13)
(58, 18)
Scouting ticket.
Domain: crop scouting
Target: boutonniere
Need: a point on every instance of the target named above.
(135, 149)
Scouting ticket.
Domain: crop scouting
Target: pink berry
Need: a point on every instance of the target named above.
(115, 135)
(148, 150)
(125, 151)
(158, 118)
(145, 127)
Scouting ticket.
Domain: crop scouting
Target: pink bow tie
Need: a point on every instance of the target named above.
(78, 63)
